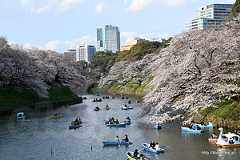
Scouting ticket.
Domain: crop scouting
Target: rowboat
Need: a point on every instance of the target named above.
(127, 108)
(97, 109)
(119, 125)
(115, 143)
(190, 130)
(74, 126)
(20, 116)
(207, 126)
(131, 156)
(147, 147)
(107, 107)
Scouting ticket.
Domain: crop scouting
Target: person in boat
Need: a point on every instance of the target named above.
(135, 153)
(77, 121)
(198, 128)
(129, 156)
(152, 144)
(157, 146)
(116, 121)
(142, 157)
(126, 139)
(112, 120)
(117, 138)
(128, 118)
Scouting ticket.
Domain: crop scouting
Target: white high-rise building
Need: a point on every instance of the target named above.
(108, 39)
(210, 16)
(85, 53)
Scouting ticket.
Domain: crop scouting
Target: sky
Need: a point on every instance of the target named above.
(62, 24)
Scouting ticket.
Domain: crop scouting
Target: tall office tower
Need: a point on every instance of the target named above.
(85, 53)
(100, 40)
(210, 16)
(112, 38)
(108, 39)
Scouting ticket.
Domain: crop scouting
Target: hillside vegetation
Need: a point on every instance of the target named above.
(236, 9)
(135, 82)
(28, 77)
(195, 78)
(141, 49)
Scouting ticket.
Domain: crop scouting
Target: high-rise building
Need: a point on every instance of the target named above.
(108, 39)
(70, 55)
(112, 38)
(210, 16)
(85, 53)
(100, 40)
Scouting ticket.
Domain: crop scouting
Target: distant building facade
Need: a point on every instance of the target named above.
(85, 53)
(108, 39)
(70, 55)
(129, 44)
(210, 16)
(100, 40)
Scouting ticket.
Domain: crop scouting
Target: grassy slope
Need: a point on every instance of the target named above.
(141, 49)
(130, 88)
(225, 112)
(137, 52)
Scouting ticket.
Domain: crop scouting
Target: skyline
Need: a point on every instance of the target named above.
(62, 24)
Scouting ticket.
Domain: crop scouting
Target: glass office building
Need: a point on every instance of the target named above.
(85, 53)
(100, 40)
(210, 16)
(108, 39)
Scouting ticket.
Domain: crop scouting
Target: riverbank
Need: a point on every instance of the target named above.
(223, 113)
(14, 98)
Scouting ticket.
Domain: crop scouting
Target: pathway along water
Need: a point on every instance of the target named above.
(44, 139)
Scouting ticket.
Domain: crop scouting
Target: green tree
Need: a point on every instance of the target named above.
(142, 48)
(236, 8)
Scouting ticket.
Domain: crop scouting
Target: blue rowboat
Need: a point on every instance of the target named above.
(127, 122)
(20, 116)
(208, 126)
(147, 148)
(190, 130)
(120, 125)
(116, 143)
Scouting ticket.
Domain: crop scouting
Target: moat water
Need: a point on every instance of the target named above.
(44, 139)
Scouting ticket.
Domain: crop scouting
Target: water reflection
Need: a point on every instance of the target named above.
(44, 139)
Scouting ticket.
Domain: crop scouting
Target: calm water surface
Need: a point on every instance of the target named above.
(43, 139)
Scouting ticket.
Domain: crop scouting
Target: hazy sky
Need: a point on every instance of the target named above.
(61, 24)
